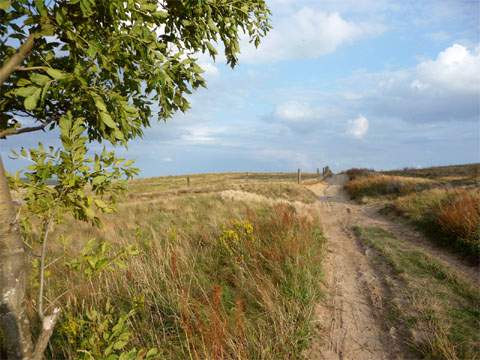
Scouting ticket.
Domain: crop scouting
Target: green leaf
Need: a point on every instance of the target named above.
(152, 352)
(39, 79)
(31, 101)
(107, 120)
(25, 91)
(5, 4)
(120, 345)
(98, 180)
(119, 135)
(56, 74)
(160, 15)
(89, 213)
(99, 103)
(45, 89)
(23, 82)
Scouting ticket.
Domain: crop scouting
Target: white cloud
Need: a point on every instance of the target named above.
(199, 135)
(455, 68)
(358, 127)
(445, 88)
(294, 111)
(307, 33)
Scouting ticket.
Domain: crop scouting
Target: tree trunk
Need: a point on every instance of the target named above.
(14, 322)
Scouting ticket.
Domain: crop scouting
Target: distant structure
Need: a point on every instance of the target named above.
(326, 172)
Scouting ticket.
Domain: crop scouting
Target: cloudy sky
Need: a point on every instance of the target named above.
(345, 83)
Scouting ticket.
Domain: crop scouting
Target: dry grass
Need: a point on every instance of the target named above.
(214, 279)
(439, 203)
(374, 185)
(438, 308)
(451, 216)
(467, 170)
(359, 172)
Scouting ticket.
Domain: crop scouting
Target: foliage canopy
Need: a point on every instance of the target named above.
(107, 62)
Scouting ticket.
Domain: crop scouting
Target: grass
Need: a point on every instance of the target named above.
(467, 174)
(440, 310)
(450, 217)
(443, 202)
(376, 185)
(284, 185)
(191, 275)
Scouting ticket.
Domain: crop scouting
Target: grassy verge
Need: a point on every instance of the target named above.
(187, 277)
(376, 185)
(450, 217)
(467, 174)
(441, 310)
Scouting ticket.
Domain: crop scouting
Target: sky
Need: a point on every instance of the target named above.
(347, 83)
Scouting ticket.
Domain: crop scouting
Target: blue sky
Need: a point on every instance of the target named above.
(352, 83)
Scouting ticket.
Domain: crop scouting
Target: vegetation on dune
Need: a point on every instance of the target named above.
(451, 217)
(191, 276)
(374, 185)
(469, 173)
(358, 172)
(274, 186)
(438, 309)
(443, 202)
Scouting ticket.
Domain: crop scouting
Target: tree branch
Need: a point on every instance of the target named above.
(10, 65)
(48, 324)
(31, 68)
(16, 131)
(42, 269)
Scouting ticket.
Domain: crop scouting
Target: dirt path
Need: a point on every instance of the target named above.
(351, 317)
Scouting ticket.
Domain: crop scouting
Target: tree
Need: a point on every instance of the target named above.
(92, 71)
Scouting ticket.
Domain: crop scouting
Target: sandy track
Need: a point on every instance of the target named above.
(350, 317)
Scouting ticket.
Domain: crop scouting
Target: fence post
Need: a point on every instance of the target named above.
(299, 176)
(318, 173)
(188, 180)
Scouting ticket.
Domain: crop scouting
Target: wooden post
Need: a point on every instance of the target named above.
(299, 176)
(188, 180)
(318, 173)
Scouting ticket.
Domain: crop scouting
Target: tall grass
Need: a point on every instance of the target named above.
(452, 217)
(374, 185)
(212, 280)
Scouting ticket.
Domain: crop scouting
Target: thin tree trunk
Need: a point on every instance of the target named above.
(14, 322)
